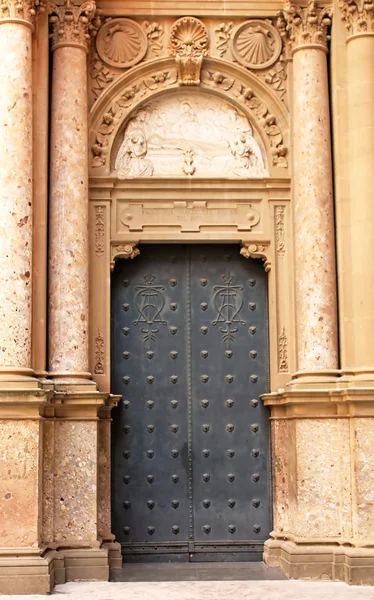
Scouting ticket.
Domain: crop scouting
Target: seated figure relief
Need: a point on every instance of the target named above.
(189, 135)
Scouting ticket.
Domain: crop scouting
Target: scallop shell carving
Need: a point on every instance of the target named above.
(188, 37)
(256, 44)
(121, 43)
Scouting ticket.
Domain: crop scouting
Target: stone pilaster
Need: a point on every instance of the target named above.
(357, 273)
(68, 251)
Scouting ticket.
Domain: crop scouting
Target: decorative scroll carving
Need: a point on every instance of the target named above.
(101, 75)
(256, 44)
(250, 250)
(280, 240)
(121, 43)
(20, 9)
(277, 77)
(99, 354)
(154, 32)
(358, 16)
(223, 35)
(72, 25)
(99, 230)
(188, 44)
(228, 303)
(283, 352)
(305, 26)
(129, 250)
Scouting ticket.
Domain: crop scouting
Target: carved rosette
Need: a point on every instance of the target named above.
(251, 250)
(121, 43)
(358, 16)
(72, 25)
(256, 44)
(305, 26)
(189, 44)
(129, 250)
(20, 10)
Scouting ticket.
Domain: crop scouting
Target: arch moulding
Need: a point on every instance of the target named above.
(254, 212)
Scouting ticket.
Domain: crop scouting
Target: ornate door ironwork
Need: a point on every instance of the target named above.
(190, 456)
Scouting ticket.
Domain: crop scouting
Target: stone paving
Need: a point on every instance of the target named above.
(208, 590)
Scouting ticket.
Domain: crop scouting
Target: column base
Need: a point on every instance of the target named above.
(354, 566)
(115, 555)
(26, 571)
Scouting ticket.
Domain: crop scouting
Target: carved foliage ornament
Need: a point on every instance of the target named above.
(165, 79)
(189, 44)
(305, 26)
(358, 16)
(121, 43)
(72, 25)
(223, 35)
(256, 44)
(20, 9)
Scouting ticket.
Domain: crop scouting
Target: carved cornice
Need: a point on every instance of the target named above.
(72, 25)
(251, 250)
(305, 27)
(20, 10)
(358, 17)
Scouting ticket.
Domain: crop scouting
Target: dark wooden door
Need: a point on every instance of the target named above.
(190, 456)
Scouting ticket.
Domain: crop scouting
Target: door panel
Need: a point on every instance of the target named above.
(190, 472)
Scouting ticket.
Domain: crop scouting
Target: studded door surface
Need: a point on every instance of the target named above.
(190, 456)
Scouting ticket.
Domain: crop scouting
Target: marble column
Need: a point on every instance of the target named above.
(316, 306)
(16, 26)
(68, 249)
(357, 314)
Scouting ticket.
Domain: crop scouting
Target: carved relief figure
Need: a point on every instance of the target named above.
(189, 135)
(131, 161)
(247, 155)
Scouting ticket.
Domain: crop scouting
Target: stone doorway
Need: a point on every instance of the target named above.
(190, 467)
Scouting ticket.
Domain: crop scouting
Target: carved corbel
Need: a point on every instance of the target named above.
(251, 250)
(123, 251)
(188, 43)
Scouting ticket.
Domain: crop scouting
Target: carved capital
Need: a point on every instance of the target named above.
(20, 10)
(307, 26)
(72, 25)
(358, 16)
(124, 251)
(250, 250)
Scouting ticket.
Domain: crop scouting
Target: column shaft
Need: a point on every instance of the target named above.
(15, 196)
(313, 213)
(68, 261)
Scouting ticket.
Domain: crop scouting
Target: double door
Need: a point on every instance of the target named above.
(190, 445)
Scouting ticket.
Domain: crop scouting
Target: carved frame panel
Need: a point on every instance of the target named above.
(208, 212)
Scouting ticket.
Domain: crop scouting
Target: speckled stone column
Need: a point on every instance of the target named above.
(357, 314)
(15, 188)
(68, 250)
(316, 303)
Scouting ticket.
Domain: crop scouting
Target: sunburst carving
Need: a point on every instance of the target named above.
(188, 37)
(121, 43)
(256, 44)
